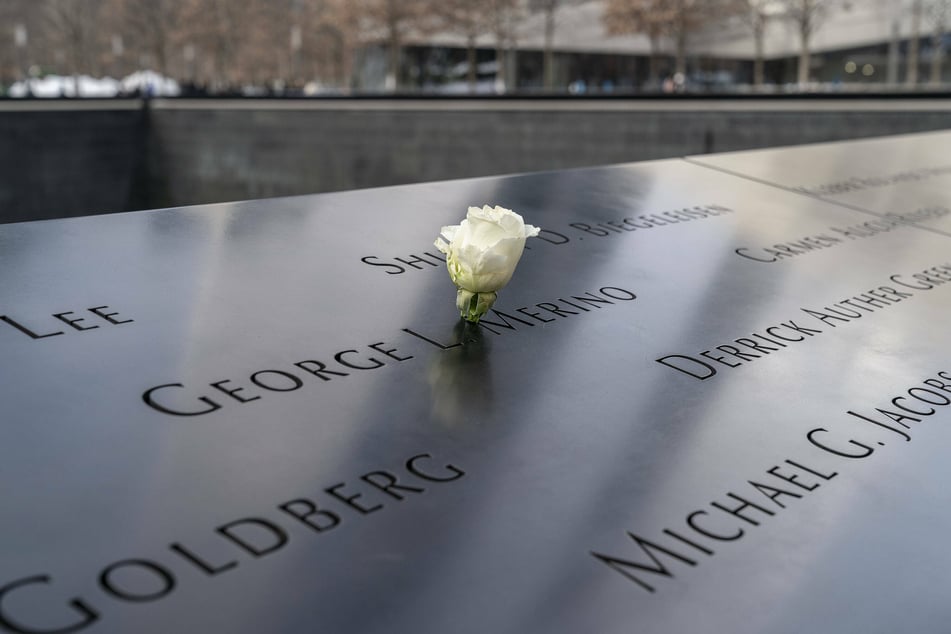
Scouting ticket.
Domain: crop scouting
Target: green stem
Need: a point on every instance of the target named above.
(473, 305)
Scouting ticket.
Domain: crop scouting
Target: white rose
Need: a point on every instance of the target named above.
(481, 254)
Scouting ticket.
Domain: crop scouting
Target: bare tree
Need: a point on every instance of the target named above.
(74, 30)
(650, 17)
(549, 11)
(892, 15)
(322, 37)
(152, 27)
(505, 16)
(395, 20)
(231, 41)
(687, 16)
(336, 30)
(14, 37)
(807, 16)
(758, 14)
(656, 18)
(209, 46)
(911, 73)
(470, 20)
(25, 37)
(938, 15)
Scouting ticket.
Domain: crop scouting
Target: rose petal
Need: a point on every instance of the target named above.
(484, 249)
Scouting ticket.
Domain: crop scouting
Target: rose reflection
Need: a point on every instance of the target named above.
(460, 379)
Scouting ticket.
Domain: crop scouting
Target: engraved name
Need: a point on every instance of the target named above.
(837, 235)
(772, 339)
(226, 548)
(78, 321)
(426, 260)
(730, 517)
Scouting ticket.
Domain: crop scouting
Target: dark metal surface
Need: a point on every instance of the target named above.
(569, 431)
(906, 175)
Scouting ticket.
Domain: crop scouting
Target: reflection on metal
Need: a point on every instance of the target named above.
(905, 177)
(264, 416)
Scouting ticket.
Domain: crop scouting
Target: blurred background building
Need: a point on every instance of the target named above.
(319, 47)
(246, 99)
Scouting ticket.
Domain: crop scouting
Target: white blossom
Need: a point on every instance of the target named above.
(482, 253)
